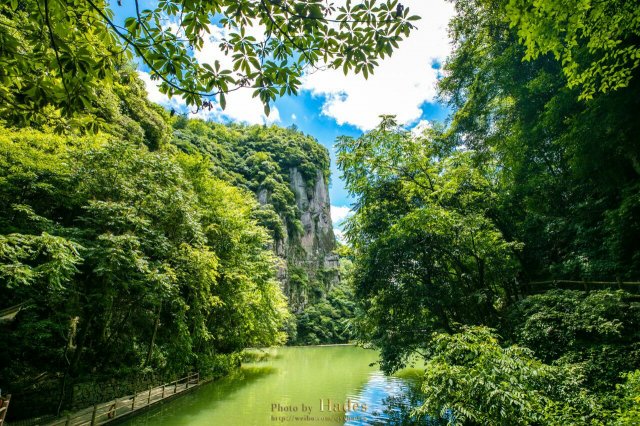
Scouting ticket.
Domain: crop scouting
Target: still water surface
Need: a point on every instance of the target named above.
(267, 393)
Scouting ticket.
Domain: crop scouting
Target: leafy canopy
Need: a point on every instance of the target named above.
(427, 254)
(595, 41)
(126, 260)
(471, 379)
(527, 182)
(598, 329)
(568, 168)
(58, 52)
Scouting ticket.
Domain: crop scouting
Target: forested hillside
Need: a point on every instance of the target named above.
(128, 259)
(289, 174)
(287, 171)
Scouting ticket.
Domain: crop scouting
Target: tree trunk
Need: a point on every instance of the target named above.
(153, 336)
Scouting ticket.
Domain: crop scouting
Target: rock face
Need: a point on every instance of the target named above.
(309, 266)
(313, 203)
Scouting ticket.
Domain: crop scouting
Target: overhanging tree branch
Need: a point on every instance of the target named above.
(140, 53)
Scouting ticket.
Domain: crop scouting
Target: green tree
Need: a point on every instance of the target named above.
(569, 169)
(428, 256)
(526, 182)
(628, 412)
(598, 329)
(471, 380)
(328, 319)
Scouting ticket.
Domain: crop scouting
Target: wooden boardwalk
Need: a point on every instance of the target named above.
(107, 412)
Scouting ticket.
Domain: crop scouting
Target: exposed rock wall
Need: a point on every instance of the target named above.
(309, 266)
(318, 240)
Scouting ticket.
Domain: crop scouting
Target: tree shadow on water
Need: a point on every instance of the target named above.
(205, 398)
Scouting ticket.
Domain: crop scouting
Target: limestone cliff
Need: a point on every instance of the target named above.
(309, 267)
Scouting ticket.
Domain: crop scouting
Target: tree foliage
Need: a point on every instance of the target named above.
(598, 330)
(628, 411)
(595, 41)
(427, 254)
(569, 169)
(56, 54)
(471, 379)
(534, 177)
(329, 318)
(126, 261)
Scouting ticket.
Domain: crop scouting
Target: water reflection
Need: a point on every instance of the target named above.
(287, 388)
(390, 401)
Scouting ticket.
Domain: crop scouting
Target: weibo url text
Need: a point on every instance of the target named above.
(318, 418)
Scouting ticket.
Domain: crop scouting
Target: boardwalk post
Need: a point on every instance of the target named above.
(149, 397)
(4, 407)
(113, 409)
(187, 385)
(93, 416)
(162, 392)
(133, 404)
(175, 387)
(68, 422)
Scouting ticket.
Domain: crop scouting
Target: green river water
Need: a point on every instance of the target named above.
(287, 389)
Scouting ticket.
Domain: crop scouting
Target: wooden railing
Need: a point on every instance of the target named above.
(4, 406)
(106, 412)
(580, 285)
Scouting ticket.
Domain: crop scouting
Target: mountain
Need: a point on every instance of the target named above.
(288, 172)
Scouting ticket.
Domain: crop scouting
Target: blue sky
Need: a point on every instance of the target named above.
(330, 104)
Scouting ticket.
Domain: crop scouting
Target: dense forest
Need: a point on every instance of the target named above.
(104, 240)
(139, 245)
(534, 178)
(261, 159)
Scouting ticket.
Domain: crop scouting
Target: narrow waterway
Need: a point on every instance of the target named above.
(314, 385)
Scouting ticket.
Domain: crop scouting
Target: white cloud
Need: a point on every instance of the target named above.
(154, 95)
(420, 127)
(339, 213)
(176, 102)
(294, 117)
(400, 84)
(240, 105)
(339, 236)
